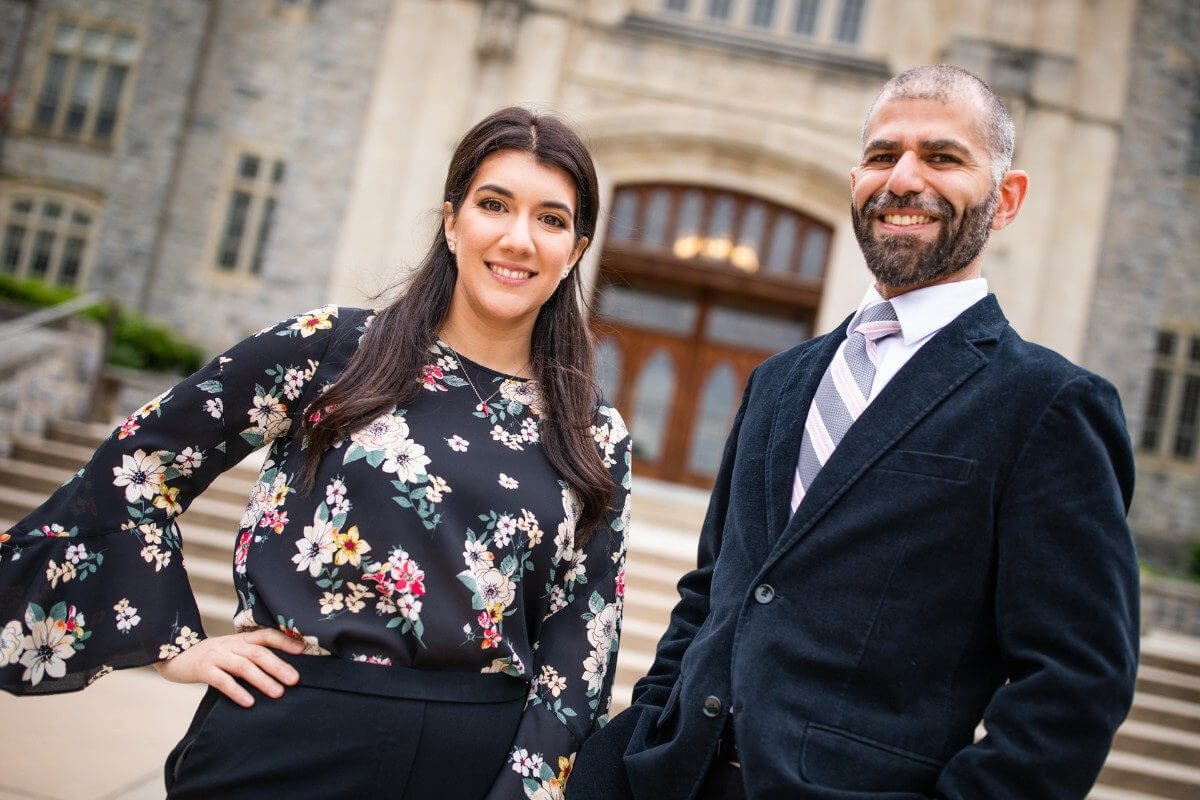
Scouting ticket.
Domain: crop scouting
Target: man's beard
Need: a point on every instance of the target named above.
(901, 260)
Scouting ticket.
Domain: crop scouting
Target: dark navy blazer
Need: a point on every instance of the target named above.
(963, 556)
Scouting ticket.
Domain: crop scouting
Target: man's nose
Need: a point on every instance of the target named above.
(517, 237)
(907, 176)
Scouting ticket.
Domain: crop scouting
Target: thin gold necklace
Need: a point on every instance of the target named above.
(483, 407)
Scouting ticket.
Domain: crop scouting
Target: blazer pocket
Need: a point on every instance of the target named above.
(933, 465)
(669, 706)
(838, 759)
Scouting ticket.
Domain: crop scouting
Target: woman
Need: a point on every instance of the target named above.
(443, 499)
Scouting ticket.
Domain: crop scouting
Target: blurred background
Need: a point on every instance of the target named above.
(176, 174)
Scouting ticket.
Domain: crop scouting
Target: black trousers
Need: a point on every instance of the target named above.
(351, 729)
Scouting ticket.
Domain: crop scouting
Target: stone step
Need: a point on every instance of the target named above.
(16, 503)
(82, 434)
(1171, 651)
(1169, 683)
(1101, 792)
(1150, 776)
(235, 482)
(1166, 711)
(1158, 741)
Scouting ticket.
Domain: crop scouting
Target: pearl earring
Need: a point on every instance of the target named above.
(450, 244)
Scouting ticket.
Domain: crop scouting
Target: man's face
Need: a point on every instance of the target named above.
(923, 197)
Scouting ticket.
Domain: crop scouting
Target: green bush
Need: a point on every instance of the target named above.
(1194, 560)
(137, 344)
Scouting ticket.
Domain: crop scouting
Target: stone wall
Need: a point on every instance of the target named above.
(1149, 271)
(296, 85)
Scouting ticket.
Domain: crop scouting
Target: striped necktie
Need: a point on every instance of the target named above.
(843, 394)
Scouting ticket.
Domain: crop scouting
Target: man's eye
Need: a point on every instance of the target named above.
(942, 158)
(881, 158)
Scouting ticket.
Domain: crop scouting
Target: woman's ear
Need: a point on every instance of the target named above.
(448, 224)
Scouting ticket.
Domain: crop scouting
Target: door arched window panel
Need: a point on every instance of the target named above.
(624, 215)
(698, 226)
(608, 368)
(651, 405)
(718, 400)
(655, 223)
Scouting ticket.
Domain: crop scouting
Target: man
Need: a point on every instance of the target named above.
(919, 525)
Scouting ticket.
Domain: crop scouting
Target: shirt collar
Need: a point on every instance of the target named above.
(924, 312)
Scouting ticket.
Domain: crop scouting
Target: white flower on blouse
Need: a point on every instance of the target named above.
(602, 628)
(407, 461)
(11, 643)
(75, 553)
(552, 680)
(508, 483)
(214, 407)
(188, 460)
(506, 526)
(436, 488)
(140, 474)
(575, 568)
(458, 444)
(477, 557)
(494, 587)
(315, 548)
(385, 432)
(186, 638)
(523, 392)
(47, 647)
(127, 616)
(529, 430)
(521, 762)
(335, 492)
(269, 416)
(594, 667)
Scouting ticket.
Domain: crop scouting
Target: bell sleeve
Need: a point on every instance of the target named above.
(575, 656)
(93, 580)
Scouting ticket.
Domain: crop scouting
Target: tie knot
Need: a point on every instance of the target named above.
(878, 321)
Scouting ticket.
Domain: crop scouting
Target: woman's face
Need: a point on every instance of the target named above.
(514, 239)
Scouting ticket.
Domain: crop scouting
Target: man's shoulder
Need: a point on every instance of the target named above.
(1022, 363)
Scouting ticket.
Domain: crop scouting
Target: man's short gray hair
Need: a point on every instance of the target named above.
(948, 84)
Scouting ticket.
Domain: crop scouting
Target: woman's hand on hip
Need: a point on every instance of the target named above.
(219, 660)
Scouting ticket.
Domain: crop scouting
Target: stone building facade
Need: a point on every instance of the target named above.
(1144, 333)
(273, 155)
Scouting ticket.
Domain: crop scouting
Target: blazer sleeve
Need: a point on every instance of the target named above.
(575, 656)
(692, 609)
(1066, 607)
(93, 580)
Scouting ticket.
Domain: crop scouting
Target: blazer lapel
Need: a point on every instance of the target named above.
(931, 375)
(787, 430)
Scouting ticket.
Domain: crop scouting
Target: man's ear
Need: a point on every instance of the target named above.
(1013, 187)
(853, 178)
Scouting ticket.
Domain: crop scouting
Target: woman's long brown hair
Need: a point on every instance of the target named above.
(386, 368)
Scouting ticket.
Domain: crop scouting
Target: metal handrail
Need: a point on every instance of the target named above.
(46, 316)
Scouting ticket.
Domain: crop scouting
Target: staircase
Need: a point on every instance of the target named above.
(1156, 755)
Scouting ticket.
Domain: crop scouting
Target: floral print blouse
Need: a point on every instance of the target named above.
(436, 537)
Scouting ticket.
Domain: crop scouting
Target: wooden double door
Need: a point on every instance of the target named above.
(675, 363)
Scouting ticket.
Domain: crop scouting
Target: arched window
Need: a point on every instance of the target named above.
(723, 229)
(47, 235)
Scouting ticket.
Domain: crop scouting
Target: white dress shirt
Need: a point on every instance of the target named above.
(922, 313)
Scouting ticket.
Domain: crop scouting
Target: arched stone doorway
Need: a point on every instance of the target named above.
(697, 286)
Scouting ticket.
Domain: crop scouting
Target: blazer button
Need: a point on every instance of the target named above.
(765, 593)
(712, 706)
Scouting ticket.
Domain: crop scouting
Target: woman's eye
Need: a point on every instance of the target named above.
(491, 205)
(554, 221)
